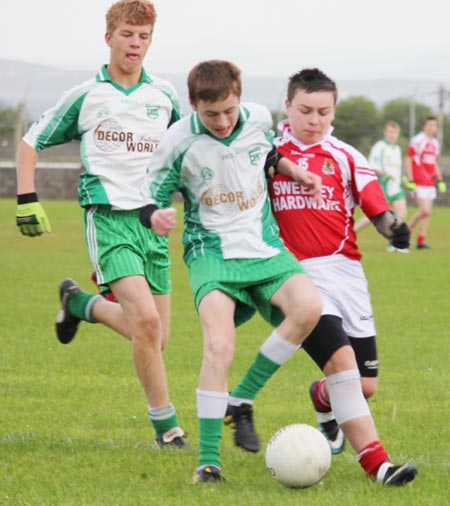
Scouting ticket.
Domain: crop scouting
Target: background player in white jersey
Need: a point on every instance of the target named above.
(422, 170)
(119, 117)
(237, 263)
(322, 238)
(385, 158)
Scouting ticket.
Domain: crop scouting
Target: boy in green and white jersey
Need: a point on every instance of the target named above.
(385, 159)
(119, 117)
(218, 158)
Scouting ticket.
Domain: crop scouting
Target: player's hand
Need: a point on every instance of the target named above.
(311, 181)
(400, 235)
(163, 220)
(442, 186)
(409, 185)
(32, 219)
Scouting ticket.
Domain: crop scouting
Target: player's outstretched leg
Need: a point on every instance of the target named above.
(327, 422)
(375, 461)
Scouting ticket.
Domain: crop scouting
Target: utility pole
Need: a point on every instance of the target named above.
(20, 113)
(441, 114)
(412, 116)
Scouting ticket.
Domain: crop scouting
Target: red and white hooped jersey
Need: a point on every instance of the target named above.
(310, 230)
(424, 152)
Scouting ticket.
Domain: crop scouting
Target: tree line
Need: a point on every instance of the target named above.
(358, 121)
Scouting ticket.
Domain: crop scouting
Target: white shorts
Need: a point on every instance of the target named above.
(426, 192)
(344, 289)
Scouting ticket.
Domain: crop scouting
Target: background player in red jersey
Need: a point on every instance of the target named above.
(422, 170)
(322, 237)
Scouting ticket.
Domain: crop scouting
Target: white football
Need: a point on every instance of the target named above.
(298, 455)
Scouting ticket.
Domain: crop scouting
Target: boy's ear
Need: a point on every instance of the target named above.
(108, 38)
(193, 105)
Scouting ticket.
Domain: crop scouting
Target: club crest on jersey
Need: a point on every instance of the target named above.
(206, 174)
(103, 112)
(152, 111)
(255, 155)
(328, 168)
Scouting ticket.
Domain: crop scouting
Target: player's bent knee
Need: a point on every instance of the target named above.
(342, 359)
(325, 339)
(369, 386)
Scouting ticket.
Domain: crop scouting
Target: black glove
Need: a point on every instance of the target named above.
(400, 235)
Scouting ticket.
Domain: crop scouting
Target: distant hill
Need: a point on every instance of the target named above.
(41, 85)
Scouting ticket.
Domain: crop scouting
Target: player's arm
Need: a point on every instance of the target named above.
(30, 215)
(311, 181)
(408, 179)
(393, 228)
(408, 167)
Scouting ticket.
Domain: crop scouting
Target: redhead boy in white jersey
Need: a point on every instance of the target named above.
(119, 117)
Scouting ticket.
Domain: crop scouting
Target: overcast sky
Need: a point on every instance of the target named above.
(349, 39)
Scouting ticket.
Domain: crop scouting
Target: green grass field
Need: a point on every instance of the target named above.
(73, 423)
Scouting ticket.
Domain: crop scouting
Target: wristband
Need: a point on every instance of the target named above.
(145, 215)
(27, 198)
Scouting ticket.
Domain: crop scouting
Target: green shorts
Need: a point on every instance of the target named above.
(400, 194)
(120, 246)
(250, 282)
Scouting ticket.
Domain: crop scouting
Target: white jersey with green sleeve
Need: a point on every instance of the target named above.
(227, 211)
(388, 158)
(119, 130)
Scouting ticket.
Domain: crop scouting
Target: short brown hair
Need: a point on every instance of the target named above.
(134, 12)
(430, 118)
(392, 124)
(214, 80)
(310, 80)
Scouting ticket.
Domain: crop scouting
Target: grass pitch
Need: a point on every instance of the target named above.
(73, 423)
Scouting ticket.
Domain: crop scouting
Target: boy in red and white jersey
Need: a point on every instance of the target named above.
(322, 237)
(422, 170)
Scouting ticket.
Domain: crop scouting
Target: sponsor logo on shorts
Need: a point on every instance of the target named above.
(365, 318)
(371, 364)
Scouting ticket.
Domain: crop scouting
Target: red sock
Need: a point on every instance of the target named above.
(371, 457)
(420, 239)
(321, 397)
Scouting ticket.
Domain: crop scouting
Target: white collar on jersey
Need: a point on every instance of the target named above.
(285, 128)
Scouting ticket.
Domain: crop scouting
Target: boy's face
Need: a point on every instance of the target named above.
(221, 117)
(391, 134)
(310, 115)
(430, 127)
(129, 45)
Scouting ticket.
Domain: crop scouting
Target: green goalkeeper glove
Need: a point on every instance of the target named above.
(409, 185)
(442, 186)
(30, 216)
